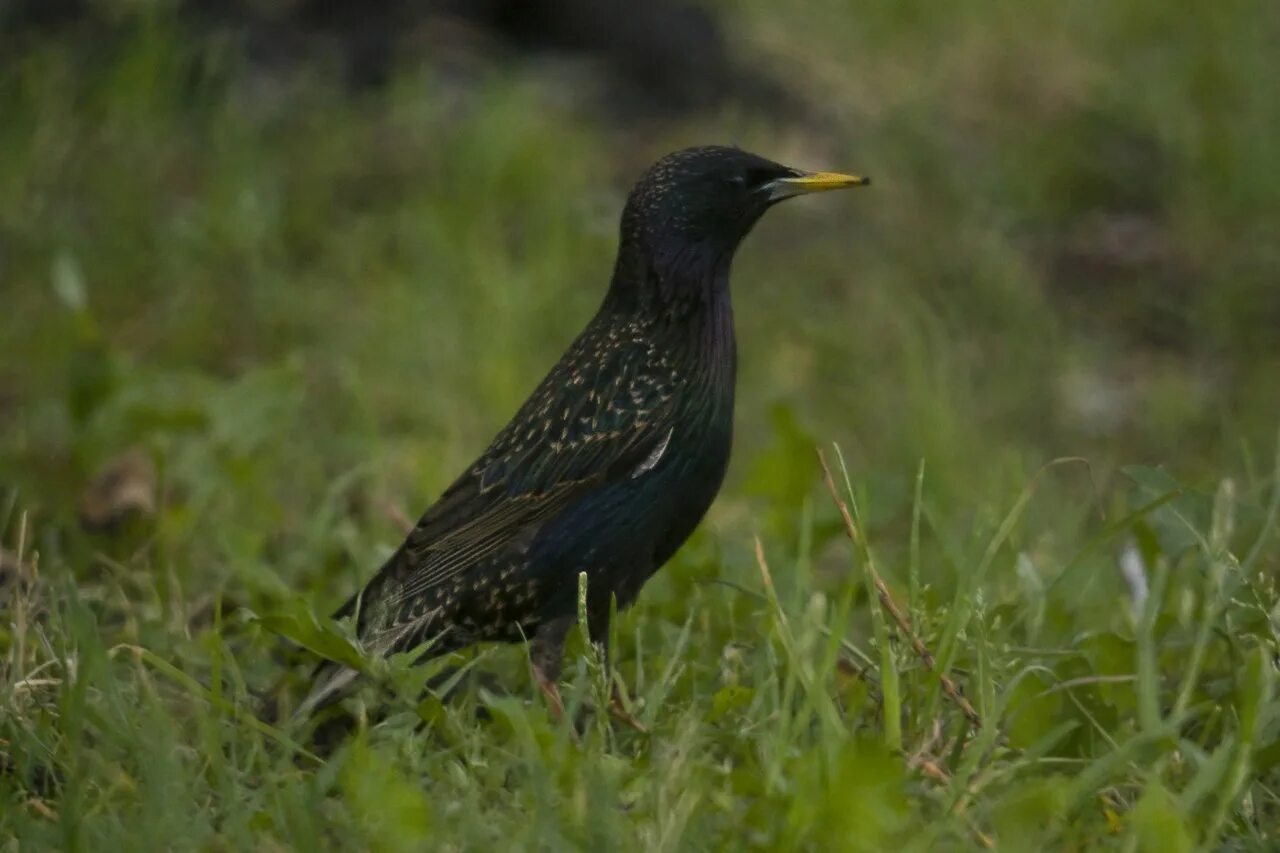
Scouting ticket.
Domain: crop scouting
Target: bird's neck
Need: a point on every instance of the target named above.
(680, 281)
(682, 298)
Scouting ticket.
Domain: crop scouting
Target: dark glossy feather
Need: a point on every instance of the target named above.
(613, 459)
(593, 420)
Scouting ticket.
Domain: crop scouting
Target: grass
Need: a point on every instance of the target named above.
(310, 309)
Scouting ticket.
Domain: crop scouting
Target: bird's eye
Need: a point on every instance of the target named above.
(738, 180)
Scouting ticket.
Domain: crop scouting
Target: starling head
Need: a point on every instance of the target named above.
(710, 197)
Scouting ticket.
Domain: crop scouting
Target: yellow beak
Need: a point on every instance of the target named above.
(813, 182)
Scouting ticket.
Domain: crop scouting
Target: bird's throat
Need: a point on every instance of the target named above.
(682, 297)
(676, 279)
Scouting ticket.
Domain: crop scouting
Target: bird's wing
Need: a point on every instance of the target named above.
(575, 433)
(558, 447)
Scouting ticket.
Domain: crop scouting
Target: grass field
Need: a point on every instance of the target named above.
(1044, 343)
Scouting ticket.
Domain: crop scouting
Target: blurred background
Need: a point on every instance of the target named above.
(271, 273)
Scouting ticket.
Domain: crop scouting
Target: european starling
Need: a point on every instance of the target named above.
(615, 457)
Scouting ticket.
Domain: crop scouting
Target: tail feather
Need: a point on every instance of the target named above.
(330, 683)
(380, 636)
(332, 680)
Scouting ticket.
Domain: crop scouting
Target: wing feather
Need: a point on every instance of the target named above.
(591, 422)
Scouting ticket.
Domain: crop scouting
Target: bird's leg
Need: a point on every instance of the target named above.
(546, 652)
(599, 631)
(552, 693)
(618, 708)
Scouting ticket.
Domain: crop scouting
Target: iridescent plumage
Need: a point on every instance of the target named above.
(615, 457)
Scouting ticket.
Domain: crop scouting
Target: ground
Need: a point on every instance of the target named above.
(282, 315)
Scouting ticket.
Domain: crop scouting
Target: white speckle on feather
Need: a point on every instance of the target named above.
(651, 462)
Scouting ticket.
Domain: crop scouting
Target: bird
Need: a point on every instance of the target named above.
(614, 458)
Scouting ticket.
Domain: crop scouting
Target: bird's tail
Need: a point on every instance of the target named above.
(330, 683)
(331, 680)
